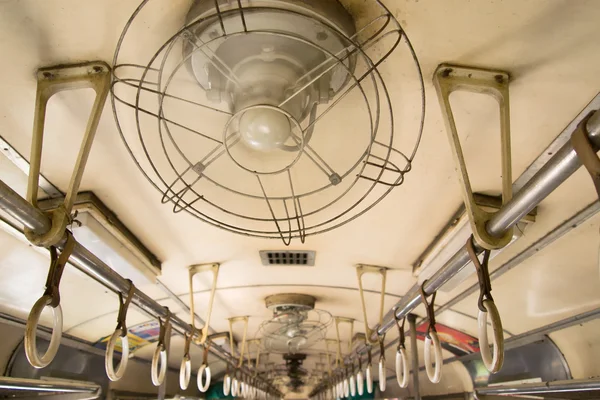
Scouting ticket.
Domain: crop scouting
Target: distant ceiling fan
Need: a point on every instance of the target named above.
(296, 325)
(268, 118)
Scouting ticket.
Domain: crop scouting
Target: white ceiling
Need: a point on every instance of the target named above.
(548, 47)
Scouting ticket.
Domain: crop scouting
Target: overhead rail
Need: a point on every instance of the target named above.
(556, 387)
(17, 207)
(564, 163)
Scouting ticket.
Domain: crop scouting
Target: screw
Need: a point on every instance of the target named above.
(47, 75)
(446, 73)
(499, 78)
(97, 69)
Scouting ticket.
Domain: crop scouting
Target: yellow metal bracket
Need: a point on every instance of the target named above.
(94, 75)
(382, 272)
(232, 322)
(193, 270)
(451, 78)
(340, 354)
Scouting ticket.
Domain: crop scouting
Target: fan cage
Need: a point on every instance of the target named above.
(318, 321)
(376, 172)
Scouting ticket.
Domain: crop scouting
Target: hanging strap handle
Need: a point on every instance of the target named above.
(205, 353)
(429, 308)
(188, 341)
(401, 335)
(483, 273)
(163, 328)
(585, 151)
(57, 267)
(369, 355)
(123, 307)
(381, 339)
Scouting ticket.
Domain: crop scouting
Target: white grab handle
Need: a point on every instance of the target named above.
(203, 384)
(382, 375)
(110, 351)
(346, 388)
(160, 354)
(352, 386)
(360, 388)
(226, 385)
(401, 368)
(492, 362)
(369, 378)
(234, 387)
(434, 374)
(185, 372)
(31, 352)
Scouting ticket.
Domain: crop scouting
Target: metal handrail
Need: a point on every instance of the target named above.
(573, 386)
(17, 207)
(42, 385)
(558, 168)
(556, 171)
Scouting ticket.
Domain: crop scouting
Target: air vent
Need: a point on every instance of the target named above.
(276, 257)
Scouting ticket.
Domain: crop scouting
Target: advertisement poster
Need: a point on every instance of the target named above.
(456, 342)
(138, 336)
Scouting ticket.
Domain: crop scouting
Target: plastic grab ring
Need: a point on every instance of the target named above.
(382, 374)
(110, 350)
(185, 372)
(243, 389)
(159, 376)
(352, 386)
(203, 386)
(434, 374)
(360, 383)
(401, 368)
(31, 352)
(492, 362)
(226, 385)
(369, 378)
(234, 387)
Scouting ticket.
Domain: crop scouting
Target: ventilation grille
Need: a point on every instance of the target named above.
(299, 258)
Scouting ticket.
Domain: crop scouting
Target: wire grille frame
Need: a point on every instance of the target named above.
(316, 323)
(196, 181)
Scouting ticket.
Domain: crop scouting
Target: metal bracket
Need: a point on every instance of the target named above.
(338, 321)
(196, 269)
(369, 269)
(233, 321)
(94, 75)
(256, 344)
(450, 78)
(328, 353)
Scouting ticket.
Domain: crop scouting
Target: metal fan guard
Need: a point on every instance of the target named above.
(185, 197)
(319, 324)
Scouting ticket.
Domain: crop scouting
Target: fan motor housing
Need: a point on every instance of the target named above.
(286, 301)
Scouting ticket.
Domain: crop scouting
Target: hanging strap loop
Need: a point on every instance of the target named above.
(123, 307)
(483, 273)
(205, 354)
(359, 361)
(369, 355)
(429, 308)
(57, 267)
(401, 334)
(163, 328)
(381, 339)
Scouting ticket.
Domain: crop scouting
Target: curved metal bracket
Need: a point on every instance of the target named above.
(340, 353)
(193, 270)
(94, 75)
(368, 269)
(233, 321)
(451, 78)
